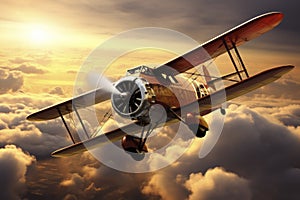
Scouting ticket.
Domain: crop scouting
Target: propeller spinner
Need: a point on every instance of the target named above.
(132, 99)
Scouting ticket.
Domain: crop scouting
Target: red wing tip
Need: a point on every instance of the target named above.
(273, 17)
(278, 15)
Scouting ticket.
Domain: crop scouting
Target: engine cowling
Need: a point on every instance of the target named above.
(131, 145)
(197, 124)
(132, 98)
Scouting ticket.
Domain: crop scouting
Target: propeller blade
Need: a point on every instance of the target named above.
(95, 80)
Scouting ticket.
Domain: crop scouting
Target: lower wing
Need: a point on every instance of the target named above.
(205, 106)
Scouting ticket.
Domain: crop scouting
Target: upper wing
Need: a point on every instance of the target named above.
(215, 47)
(238, 89)
(65, 107)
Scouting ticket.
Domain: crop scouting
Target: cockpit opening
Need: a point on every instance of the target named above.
(140, 70)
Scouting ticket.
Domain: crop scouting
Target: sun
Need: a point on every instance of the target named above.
(39, 34)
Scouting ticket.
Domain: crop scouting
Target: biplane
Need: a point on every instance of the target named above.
(143, 87)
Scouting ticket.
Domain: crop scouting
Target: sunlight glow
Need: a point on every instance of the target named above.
(46, 35)
(40, 34)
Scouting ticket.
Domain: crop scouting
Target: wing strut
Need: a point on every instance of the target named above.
(63, 119)
(240, 60)
(79, 118)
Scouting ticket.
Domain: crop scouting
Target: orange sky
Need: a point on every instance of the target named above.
(61, 49)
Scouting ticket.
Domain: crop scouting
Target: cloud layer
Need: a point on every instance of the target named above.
(257, 149)
(255, 158)
(13, 167)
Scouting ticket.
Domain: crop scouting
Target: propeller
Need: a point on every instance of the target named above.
(95, 80)
(130, 98)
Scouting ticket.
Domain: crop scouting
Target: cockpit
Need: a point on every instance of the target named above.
(148, 73)
(140, 70)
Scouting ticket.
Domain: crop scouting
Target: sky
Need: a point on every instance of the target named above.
(45, 43)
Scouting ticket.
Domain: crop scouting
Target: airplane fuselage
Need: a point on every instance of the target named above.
(171, 91)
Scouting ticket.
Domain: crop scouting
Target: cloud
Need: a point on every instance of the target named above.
(164, 186)
(288, 115)
(256, 139)
(19, 60)
(4, 108)
(43, 58)
(85, 184)
(28, 69)
(89, 179)
(217, 184)
(284, 88)
(257, 148)
(256, 152)
(75, 181)
(38, 138)
(57, 91)
(266, 136)
(257, 155)
(10, 80)
(13, 168)
(72, 72)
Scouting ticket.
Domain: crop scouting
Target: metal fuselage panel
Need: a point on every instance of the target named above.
(176, 94)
